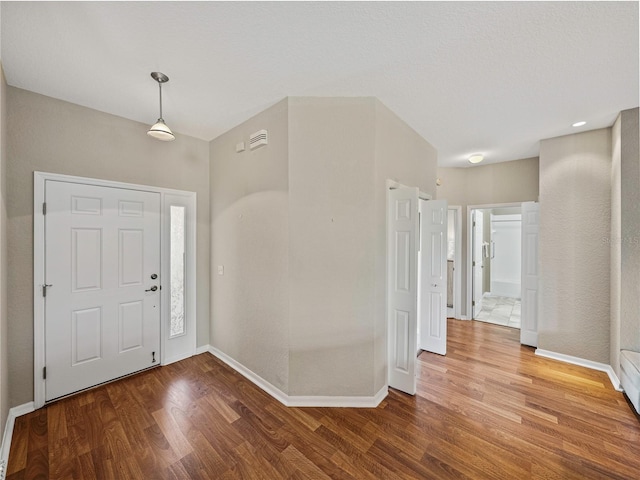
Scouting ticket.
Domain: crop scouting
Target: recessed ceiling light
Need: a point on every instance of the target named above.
(579, 124)
(476, 158)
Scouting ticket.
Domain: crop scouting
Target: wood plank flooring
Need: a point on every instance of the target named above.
(489, 409)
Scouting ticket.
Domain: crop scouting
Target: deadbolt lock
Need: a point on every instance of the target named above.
(154, 276)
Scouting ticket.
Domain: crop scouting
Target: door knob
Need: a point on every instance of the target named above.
(152, 289)
(154, 276)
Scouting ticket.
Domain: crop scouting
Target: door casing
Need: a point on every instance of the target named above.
(457, 262)
(166, 194)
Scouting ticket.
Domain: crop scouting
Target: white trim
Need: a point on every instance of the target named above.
(249, 375)
(38, 300)
(14, 413)
(202, 349)
(177, 358)
(457, 262)
(615, 381)
(528, 338)
(582, 362)
(350, 402)
(392, 185)
(39, 179)
(298, 400)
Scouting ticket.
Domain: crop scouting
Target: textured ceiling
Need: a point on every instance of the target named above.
(489, 77)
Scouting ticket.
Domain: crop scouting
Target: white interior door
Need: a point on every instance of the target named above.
(402, 288)
(530, 266)
(478, 275)
(433, 276)
(102, 259)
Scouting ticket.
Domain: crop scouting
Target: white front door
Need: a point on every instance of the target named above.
(402, 288)
(478, 274)
(529, 266)
(102, 260)
(433, 276)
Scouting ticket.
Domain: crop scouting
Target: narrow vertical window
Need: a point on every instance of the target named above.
(177, 270)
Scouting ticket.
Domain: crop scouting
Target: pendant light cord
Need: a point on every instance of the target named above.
(160, 87)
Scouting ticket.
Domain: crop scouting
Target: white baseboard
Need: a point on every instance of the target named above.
(530, 338)
(249, 375)
(582, 362)
(177, 358)
(202, 349)
(14, 413)
(352, 402)
(300, 400)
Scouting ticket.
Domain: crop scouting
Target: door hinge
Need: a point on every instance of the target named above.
(474, 224)
(473, 264)
(44, 373)
(44, 289)
(44, 208)
(473, 303)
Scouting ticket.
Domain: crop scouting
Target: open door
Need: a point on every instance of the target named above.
(530, 235)
(433, 276)
(402, 288)
(478, 274)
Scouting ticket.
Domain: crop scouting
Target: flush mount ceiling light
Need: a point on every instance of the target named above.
(476, 158)
(159, 129)
(579, 124)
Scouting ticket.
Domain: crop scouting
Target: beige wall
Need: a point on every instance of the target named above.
(403, 156)
(54, 136)
(250, 238)
(575, 209)
(332, 245)
(630, 231)
(300, 227)
(4, 364)
(616, 248)
(508, 182)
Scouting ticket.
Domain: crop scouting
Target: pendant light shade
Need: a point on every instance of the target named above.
(159, 129)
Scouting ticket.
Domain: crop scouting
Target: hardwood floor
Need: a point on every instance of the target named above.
(489, 409)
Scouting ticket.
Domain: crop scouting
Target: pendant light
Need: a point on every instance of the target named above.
(159, 129)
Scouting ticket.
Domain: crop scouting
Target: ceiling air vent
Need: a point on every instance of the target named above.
(257, 139)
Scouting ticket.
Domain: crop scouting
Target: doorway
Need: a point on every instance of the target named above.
(496, 239)
(102, 253)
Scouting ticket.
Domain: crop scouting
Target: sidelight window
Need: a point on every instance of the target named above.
(177, 279)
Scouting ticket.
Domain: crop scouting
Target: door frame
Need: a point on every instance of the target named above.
(457, 261)
(470, 208)
(188, 198)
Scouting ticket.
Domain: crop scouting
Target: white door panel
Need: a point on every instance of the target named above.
(403, 290)
(478, 275)
(530, 265)
(433, 276)
(102, 246)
